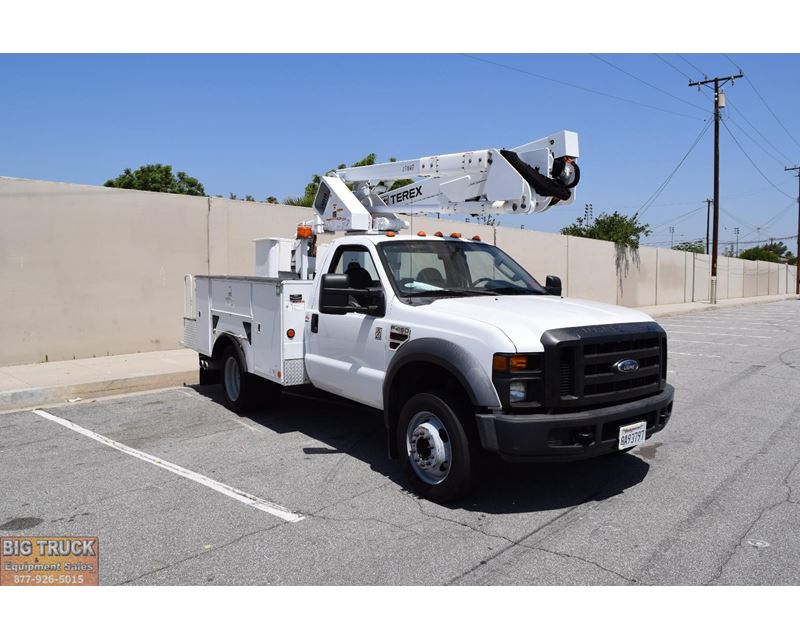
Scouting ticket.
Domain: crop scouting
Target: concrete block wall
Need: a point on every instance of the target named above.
(638, 281)
(671, 277)
(88, 271)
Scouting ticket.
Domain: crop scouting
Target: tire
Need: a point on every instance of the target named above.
(238, 386)
(435, 448)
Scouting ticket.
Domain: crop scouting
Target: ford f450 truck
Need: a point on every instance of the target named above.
(462, 349)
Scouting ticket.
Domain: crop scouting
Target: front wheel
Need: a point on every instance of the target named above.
(433, 441)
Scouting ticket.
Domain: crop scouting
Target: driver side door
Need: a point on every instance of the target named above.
(345, 354)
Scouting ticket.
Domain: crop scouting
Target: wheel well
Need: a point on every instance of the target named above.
(220, 346)
(418, 377)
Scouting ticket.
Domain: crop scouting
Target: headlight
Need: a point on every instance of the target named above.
(517, 391)
(519, 380)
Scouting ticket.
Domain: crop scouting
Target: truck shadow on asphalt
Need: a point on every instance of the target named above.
(357, 431)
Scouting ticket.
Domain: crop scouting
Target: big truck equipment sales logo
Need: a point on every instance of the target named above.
(49, 561)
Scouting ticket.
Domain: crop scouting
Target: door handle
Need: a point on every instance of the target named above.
(314, 322)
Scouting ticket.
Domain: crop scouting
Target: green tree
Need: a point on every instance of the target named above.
(779, 249)
(157, 177)
(622, 230)
(310, 191)
(271, 200)
(692, 246)
(307, 199)
(759, 253)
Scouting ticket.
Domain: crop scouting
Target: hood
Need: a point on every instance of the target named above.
(525, 318)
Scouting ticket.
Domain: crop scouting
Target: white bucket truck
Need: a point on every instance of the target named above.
(461, 348)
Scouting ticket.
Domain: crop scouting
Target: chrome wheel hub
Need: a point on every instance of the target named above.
(428, 447)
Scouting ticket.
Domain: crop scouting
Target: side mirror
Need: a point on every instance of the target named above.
(377, 303)
(337, 297)
(333, 297)
(553, 285)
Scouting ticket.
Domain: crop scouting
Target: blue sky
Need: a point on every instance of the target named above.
(261, 124)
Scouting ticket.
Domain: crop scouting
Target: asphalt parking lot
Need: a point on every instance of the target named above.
(713, 499)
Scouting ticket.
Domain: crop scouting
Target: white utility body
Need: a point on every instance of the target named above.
(459, 346)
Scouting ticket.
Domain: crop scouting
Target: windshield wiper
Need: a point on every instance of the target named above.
(446, 292)
(512, 290)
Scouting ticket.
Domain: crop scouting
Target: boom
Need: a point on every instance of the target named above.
(529, 178)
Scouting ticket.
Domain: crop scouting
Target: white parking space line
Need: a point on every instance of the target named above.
(722, 323)
(698, 355)
(731, 335)
(224, 489)
(721, 344)
(710, 327)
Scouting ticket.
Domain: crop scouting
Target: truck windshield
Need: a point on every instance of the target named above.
(430, 268)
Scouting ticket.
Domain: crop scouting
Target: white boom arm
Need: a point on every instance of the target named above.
(529, 178)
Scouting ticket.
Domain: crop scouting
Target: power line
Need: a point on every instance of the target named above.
(647, 203)
(648, 84)
(753, 192)
(753, 140)
(760, 241)
(760, 227)
(760, 97)
(774, 115)
(736, 218)
(679, 217)
(669, 64)
(696, 68)
(755, 166)
(699, 240)
(778, 215)
(753, 127)
(768, 223)
(580, 88)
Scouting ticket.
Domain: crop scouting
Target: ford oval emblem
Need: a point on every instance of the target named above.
(626, 366)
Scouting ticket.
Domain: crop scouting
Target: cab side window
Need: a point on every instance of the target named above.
(356, 262)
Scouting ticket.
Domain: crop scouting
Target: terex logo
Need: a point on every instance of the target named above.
(408, 194)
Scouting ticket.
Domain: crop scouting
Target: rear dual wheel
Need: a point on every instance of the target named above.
(243, 390)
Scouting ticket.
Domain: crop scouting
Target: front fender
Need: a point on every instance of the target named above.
(456, 360)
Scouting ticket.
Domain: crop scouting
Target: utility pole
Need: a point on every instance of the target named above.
(797, 260)
(736, 231)
(672, 237)
(719, 102)
(708, 217)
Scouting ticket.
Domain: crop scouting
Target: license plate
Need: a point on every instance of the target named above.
(632, 434)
